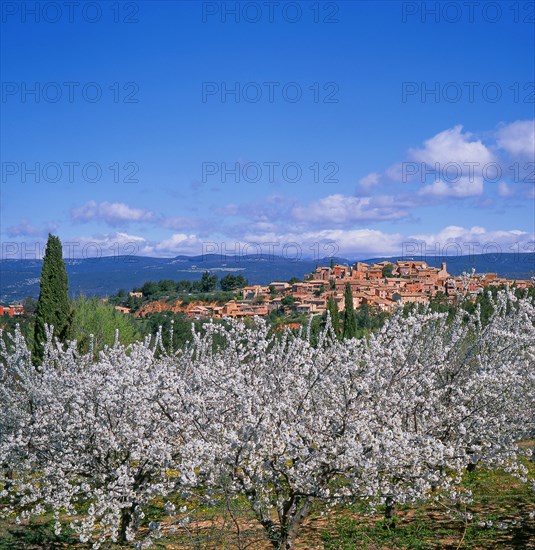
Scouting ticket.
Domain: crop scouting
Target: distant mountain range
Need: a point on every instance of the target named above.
(105, 276)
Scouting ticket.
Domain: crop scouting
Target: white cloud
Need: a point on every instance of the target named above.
(457, 162)
(115, 213)
(460, 188)
(369, 182)
(452, 146)
(179, 243)
(103, 245)
(474, 240)
(355, 243)
(518, 138)
(294, 244)
(343, 209)
(26, 229)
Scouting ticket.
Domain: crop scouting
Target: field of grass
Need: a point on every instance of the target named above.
(503, 516)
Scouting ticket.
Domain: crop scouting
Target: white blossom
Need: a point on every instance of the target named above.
(394, 418)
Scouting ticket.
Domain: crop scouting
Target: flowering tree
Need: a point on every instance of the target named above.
(86, 437)
(397, 417)
(461, 391)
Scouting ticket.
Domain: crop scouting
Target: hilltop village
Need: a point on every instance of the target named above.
(383, 287)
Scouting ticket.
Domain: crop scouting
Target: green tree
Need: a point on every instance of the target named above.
(133, 303)
(232, 282)
(53, 306)
(388, 271)
(26, 326)
(149, 289)
(29, 305)
(350, 325)
(208, 282)
(184, 286)
(101, 319)
(167, 286)
(319, 291)
(363, 319)
(288, 301)
(332, 308)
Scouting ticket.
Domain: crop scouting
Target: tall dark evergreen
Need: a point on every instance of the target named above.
(53, 306)
(332, 307)
(350, 323)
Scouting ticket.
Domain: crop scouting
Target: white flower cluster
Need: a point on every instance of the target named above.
(394, 418)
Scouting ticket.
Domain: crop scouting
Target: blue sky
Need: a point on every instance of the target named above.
(355, 127)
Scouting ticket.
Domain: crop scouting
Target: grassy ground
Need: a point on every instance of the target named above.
(501, 519)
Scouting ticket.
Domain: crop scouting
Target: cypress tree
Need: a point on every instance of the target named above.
(53, 306)
(332, 308)
(350, 323)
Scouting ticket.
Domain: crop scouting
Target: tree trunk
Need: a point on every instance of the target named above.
(126, 519)
(289, 534)
(389, 512)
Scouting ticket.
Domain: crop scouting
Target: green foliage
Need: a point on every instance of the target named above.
(368, 320)
(93, 316)
(294, 280)
(319, 291)
(169, 289)
(498, 498)
(232, 282)
(29, 305)
(180, 327)
(208, 282)
(26, 324)
(166, 285)
(388, 270)
(53, 306)
(288, 301)
(37, 533)
(332, 308)
(350, 324)
(178, 322)
(150, 288)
